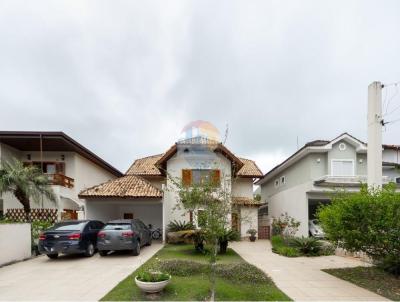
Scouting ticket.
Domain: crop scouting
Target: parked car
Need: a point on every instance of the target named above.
(70, 237)
(126, 234)
(315, 229)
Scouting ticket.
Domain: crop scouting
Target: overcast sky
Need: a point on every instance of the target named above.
(124, 77)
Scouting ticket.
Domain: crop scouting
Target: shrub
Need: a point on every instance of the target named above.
(225, 237)
(287, 251)
(241, 272)
(176, 226)
(184, 268)
(366, 221)
(252, 232)
(280, 247)
(152, 276)
(285, 225)
(306, 245)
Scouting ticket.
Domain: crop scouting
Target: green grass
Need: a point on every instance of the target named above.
(236, 279)
(371, 278)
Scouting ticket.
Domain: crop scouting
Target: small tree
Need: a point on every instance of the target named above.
(214, 202)
(26, 183)
(367, 221)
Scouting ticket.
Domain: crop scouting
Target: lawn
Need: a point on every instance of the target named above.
(371, 278)
(236, 279)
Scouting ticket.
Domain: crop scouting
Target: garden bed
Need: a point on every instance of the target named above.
(296, 247)
(236, 279)
(371, 278)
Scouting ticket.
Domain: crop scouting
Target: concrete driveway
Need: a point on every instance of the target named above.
(69, 277)
(301, 278)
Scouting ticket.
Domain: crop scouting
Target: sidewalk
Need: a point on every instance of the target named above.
(301, 278)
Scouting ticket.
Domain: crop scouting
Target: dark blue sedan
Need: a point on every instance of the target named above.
(70, 237)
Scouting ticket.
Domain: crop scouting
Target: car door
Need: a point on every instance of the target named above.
(146, 231)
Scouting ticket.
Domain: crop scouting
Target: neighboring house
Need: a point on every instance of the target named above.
(311, 175)
(69, 166)
(145, 190)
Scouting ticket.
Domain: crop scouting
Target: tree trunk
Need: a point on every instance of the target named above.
(24, 200)
(213, 269)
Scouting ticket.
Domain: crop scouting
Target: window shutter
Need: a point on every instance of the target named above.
(186, 177)
(216, 177)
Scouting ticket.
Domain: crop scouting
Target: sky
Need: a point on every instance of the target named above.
(124, 77)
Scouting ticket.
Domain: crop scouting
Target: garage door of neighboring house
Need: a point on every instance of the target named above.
(263, 227)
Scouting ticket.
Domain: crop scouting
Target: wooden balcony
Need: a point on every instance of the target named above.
(59, 179)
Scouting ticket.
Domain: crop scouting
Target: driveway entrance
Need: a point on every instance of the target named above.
(301, 278)
(69, 277)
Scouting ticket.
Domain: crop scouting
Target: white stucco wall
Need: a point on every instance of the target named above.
(84, 172)
(294, 202)
(15, 242)
(242, 187)
(208, 160)
(248, 220)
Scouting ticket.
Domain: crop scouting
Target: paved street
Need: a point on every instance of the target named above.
(69, 277)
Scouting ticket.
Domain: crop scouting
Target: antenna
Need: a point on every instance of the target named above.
(226, 134)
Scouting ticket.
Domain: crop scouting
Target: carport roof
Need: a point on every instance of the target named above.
(128, 186)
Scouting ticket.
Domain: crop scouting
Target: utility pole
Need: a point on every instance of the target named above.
(375, 122)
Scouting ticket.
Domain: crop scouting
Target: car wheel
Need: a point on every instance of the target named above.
(103, 253)
(136, 251)
(52, 256)
(89, 250)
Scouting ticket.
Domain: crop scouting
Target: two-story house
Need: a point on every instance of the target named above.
(69, 166)
(311, 175)
(145, 190)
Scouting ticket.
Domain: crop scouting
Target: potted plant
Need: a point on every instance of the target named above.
(152, 282)
(252, 233)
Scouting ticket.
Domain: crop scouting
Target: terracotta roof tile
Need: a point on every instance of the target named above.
(145, 166)
(249, 169)
(129, 186)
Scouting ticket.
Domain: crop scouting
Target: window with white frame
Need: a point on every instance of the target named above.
(342, 167)
(283, 180)
(276, 183)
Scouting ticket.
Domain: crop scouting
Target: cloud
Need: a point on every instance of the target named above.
(124, 77)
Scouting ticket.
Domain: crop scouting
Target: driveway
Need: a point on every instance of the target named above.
(69, 277)
(301, 278)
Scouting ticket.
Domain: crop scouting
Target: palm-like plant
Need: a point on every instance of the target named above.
(26, 183)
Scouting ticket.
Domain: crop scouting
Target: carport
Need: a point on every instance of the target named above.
(127, 197)
(313, 205)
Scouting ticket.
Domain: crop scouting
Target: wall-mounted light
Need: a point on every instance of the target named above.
(360, 160)
(318, 160)
(28, 157)
(62, 157)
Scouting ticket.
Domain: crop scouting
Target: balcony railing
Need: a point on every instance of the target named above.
(350, 181)
(58, 179)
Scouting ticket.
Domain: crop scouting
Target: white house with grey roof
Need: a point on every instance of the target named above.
(143, 192)
(311, 175)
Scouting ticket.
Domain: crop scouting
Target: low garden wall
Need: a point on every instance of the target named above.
(15, 242)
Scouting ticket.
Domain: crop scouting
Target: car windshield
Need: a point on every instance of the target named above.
(117, 226)
(68, 226)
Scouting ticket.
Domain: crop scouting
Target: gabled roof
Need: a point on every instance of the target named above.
(214, 145)
(128, 186)
(147, 166)
(312, 147)
(52, 141)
